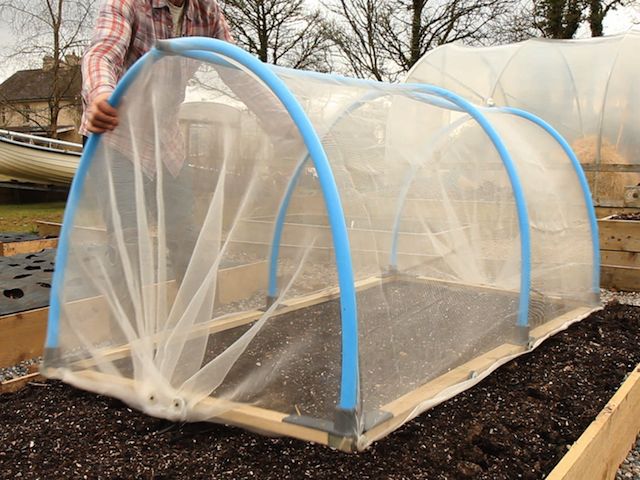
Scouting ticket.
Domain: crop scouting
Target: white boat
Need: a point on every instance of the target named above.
(42, 160)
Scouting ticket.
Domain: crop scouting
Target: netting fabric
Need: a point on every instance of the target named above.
(588, 89)
(203, 276)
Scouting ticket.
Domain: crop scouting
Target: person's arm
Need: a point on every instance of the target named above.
(103, 62)
(221, 30)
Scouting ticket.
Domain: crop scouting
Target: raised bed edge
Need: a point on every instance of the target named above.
(604, 445)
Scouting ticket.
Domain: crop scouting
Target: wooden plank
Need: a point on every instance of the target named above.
(16, 384)
(453, 283)
(22, 336)
(330, 293)
(620, 235)
(262, 419)
(295, 234)
(239, 282)
(620, 259)
(626, 279)
(611, 167)
(605, 443)
(48, 229)
(9, 249)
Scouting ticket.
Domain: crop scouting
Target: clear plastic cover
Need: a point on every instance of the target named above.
(165, 301)
(589, 90)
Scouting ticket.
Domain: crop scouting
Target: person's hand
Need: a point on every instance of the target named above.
(102, 116)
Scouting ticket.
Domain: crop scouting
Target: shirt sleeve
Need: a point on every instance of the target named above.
(221, 29)
(103, 61)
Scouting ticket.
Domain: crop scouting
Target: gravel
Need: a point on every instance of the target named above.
(20, 370)
(630, 468)
(625, 298)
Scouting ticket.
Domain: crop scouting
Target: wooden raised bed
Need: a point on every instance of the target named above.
(620, 254)
(603, 446)
(396, 406)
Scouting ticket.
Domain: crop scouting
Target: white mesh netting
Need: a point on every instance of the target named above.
(163, 298)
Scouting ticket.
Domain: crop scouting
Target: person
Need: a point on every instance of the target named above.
(125, 30)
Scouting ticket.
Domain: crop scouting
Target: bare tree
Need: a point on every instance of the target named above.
(389, 36)
(358, 36)
(280, 32)
(49, 28)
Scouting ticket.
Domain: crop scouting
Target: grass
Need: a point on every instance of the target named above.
(22, 218)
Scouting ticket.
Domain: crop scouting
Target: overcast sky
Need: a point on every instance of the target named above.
(617, 22)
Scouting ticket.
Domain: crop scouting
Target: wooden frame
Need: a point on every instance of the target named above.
(395, 413)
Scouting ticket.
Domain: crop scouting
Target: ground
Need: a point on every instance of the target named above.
(517, 423)
(22, 218)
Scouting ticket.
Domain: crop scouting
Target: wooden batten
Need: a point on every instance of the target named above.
(408, 405)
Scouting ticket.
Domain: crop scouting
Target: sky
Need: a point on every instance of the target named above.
(616, 22)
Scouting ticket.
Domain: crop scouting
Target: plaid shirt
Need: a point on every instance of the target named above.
(127, 29)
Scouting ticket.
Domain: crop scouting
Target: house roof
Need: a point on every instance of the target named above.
(33, 85)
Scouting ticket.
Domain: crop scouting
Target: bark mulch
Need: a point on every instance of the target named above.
(517, 423)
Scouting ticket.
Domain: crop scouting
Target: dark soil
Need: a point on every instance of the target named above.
(409, 335)
(627, 216)
(517, 423)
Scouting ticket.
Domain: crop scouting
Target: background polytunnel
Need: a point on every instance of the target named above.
(264, 247)
(589, 90)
